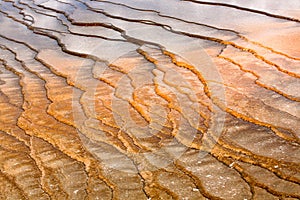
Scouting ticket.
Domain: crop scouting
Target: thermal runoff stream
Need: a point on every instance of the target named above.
(152, 99)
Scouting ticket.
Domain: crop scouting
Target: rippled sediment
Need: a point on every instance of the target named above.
(149, 100)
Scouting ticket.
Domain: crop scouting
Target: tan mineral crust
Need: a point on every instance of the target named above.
(153, 99)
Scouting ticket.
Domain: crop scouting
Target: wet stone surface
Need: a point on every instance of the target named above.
(149, 99)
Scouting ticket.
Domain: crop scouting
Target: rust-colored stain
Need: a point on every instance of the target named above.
(149, 99)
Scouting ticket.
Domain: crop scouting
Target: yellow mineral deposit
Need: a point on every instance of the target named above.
(149, 99)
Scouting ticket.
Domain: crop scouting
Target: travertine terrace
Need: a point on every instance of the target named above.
(154, 99)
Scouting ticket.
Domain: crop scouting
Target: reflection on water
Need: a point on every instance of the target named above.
(149, 99)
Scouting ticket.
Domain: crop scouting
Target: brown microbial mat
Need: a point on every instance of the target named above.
(152, 99)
